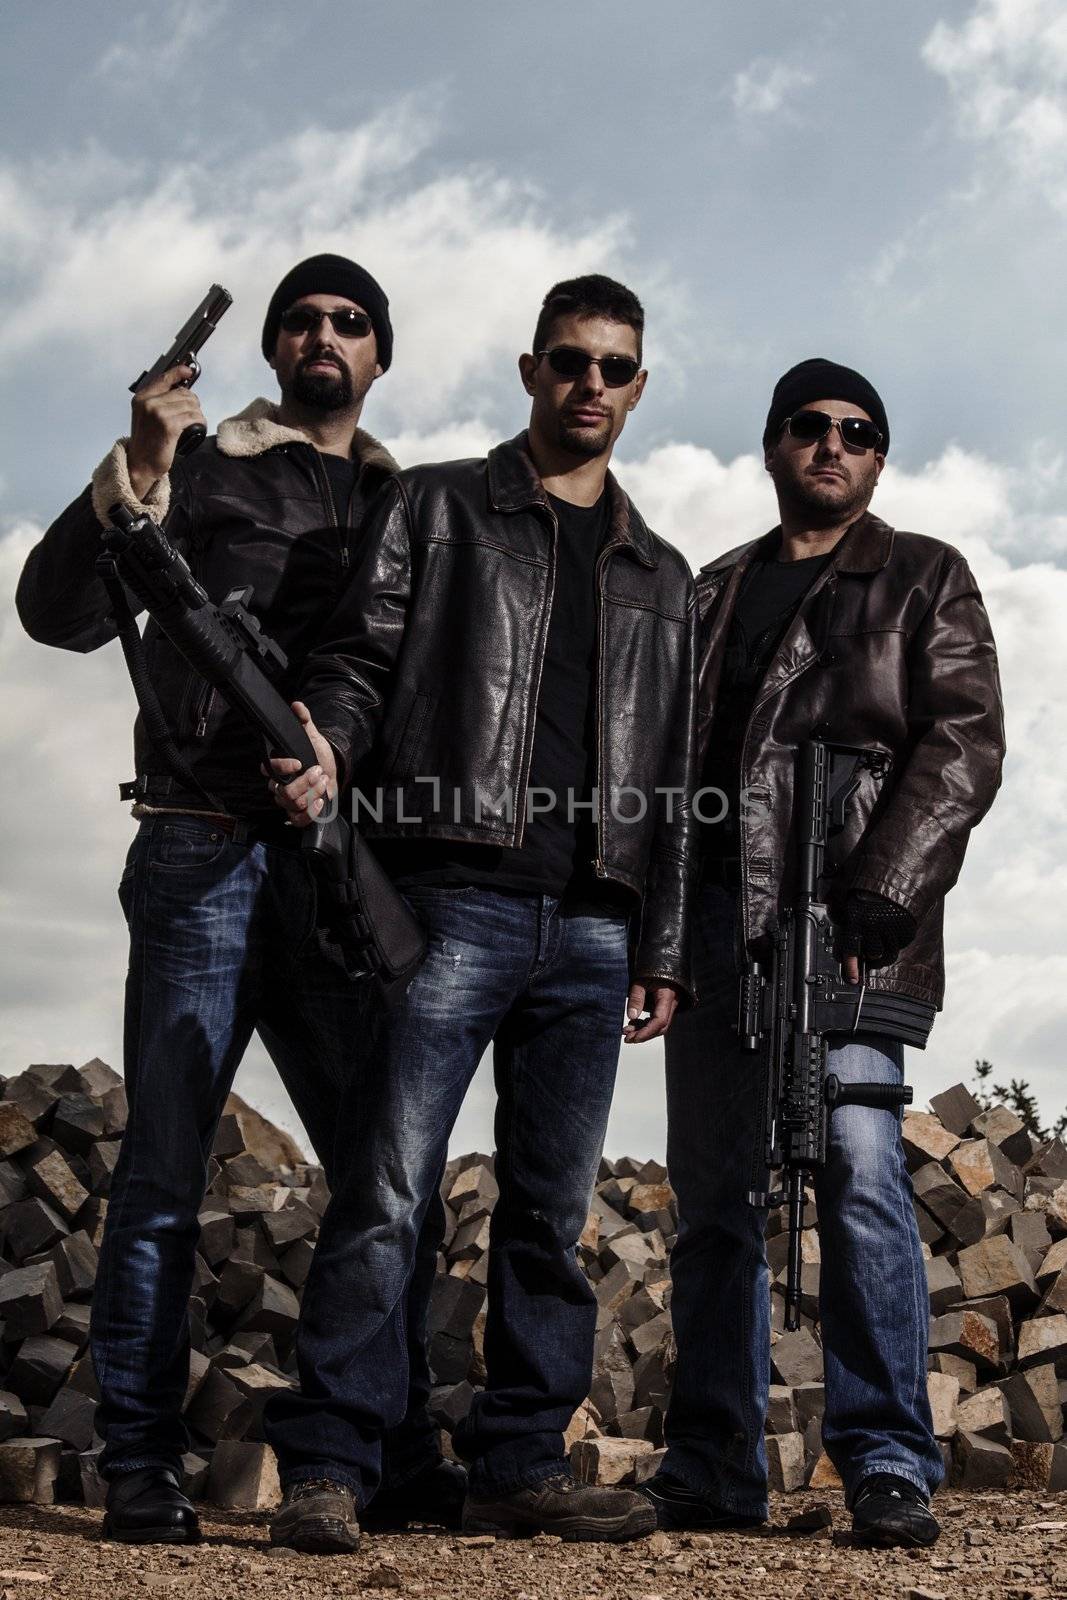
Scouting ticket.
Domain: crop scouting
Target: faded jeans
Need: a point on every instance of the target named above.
(220, 944)
(548, 989)
(873, 1300)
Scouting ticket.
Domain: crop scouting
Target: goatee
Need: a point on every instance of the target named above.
(322, 391)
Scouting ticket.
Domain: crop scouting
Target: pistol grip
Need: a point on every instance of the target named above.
(191, 437)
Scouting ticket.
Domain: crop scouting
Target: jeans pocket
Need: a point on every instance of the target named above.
(186, 843)
(436, 893)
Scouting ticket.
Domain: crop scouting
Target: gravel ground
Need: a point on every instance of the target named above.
(994, 1547)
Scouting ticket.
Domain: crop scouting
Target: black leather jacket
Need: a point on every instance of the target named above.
(429, 686)
(251, 506)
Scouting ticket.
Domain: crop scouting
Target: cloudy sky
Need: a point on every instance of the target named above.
(882, 185)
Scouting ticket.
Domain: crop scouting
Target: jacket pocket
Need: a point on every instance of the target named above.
(205, 705)
(407, 747)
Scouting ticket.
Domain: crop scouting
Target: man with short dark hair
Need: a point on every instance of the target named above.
(833, 626)
(219, 901)
(512, 680)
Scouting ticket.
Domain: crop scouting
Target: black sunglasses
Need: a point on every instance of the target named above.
(807, 426)
(347, 322)
(570, 362)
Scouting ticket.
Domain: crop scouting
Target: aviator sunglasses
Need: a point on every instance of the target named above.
(570, 362)
(347, 322)
(807, 426)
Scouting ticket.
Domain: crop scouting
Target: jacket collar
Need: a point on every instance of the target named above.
(256, 429)
(864, 548)
(515, 486)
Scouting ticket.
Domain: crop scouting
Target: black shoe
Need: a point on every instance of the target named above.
(433, 1497)
(148, 1507)
(319, 1517)
(561, 1505)
(677, 1507)
(889, 1510)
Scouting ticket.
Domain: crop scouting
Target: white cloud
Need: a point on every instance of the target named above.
(157, 40)
(457, 252)
(1006, 66)
(764, 87)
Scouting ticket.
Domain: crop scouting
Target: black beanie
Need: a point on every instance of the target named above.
(332, 275)
(823, 380)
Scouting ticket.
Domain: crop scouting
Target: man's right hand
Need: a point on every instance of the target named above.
(161, 412)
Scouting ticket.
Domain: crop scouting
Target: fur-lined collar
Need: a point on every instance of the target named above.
(250, 433)
(256, 429)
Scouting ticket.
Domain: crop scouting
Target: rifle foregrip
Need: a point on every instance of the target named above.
(750, 1006)
(880, 1096)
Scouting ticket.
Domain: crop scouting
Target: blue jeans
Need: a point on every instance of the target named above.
(873, 1302)
(221, 943)
(549, 990)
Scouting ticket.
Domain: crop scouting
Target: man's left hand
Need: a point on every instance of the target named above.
(661, 999)
(303, 796)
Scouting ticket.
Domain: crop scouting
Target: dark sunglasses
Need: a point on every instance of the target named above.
(807, 426)
(347, 322)
(570, 362)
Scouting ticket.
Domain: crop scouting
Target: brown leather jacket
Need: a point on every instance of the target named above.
(890, 649)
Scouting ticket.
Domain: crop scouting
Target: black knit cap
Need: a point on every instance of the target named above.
(328, 274)
(823, 380)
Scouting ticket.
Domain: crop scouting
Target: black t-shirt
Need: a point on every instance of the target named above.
(343, 475)
(770, 594)
(556, 855)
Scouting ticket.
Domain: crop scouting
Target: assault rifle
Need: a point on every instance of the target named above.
(188, 342)
(788, 1008)
(370, 927)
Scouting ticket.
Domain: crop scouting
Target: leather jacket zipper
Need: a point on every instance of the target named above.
(598, 860)
(327, 498)
(828, 580)
(203, 710)
(528, 756)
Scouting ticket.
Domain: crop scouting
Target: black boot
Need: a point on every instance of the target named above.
(677, 1507)
(889, 1510)
(433, 1497)
(148, 1507)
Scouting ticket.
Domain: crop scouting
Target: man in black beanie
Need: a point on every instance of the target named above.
(835, 627)
(219, 900)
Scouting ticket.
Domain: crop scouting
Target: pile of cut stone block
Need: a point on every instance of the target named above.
(60, 1130)
(991, 1204)
(991, 1207)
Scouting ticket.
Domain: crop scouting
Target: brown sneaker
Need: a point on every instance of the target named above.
(561, 1505)
(318, 1516)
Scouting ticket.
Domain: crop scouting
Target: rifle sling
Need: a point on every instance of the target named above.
(156, 727)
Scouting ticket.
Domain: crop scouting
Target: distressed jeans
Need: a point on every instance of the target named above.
(873, 1301)
(548, 989)
(221, 943)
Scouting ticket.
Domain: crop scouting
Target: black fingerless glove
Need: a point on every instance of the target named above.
(876, 929)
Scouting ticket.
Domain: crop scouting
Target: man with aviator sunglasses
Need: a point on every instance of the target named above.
(219, 902)
(833, 626)
(512, 675)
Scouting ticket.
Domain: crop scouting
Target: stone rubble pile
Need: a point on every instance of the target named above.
(991, 1204)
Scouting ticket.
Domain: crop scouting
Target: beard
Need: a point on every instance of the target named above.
(584, 441)
(322, 391)
(827, 502)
